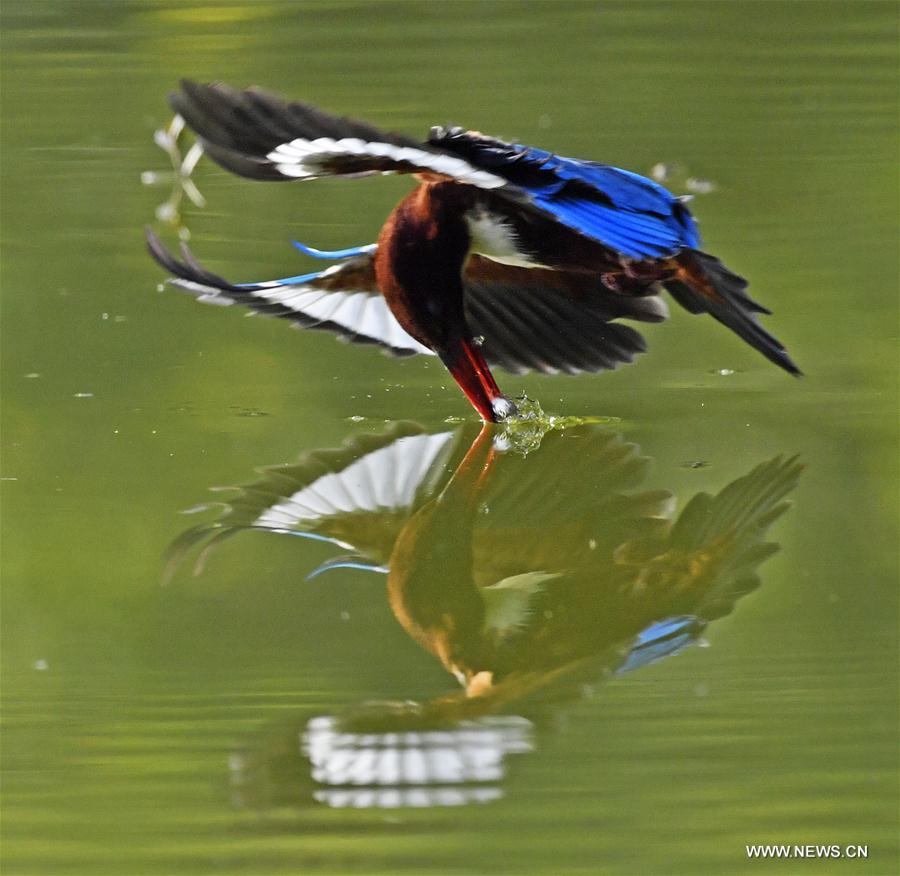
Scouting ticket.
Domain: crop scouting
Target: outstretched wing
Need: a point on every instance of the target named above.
(622, 210)
(254, 134)
(527, 319)
(343, 298)
(532, 319)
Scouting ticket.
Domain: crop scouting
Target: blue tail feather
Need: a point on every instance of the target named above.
(347, 562)
(352, 251)
(365, 249)
(661, 639)
(283, 281)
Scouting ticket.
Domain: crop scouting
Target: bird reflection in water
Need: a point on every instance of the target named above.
(528, 578)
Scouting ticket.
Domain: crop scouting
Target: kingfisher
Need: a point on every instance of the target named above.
(503, 254)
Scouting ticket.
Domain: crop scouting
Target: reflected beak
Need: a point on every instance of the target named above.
(471, 372)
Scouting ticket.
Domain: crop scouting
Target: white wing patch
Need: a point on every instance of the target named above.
(358, 313)
(343, 298)
(413, 768)
(508, 603)
(386, 479)
(304, 159)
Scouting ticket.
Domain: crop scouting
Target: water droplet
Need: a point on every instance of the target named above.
(700, 186)
(166, 212)
(162, 138)
(662, 171)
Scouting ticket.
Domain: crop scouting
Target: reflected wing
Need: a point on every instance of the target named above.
(534, 319)
(709, 558)
(733, 525)
(582, 515)
(357, 497)
(343, 298)
(566, 507)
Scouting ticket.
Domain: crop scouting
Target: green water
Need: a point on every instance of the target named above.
(157, 730)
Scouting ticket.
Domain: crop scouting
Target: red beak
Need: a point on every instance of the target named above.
(471, 372)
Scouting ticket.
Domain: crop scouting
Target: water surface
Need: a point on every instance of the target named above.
(193, 728)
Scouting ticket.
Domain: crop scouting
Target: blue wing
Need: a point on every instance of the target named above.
(620, 209)
(257, 135)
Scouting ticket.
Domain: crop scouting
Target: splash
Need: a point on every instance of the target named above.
(523, 432)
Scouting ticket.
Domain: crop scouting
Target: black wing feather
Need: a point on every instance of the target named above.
(535, 328)
(529, 320)
(238, 129)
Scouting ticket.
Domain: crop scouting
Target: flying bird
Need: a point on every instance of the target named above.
(503, 254)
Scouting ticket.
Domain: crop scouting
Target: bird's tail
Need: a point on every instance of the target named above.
(702, 284)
